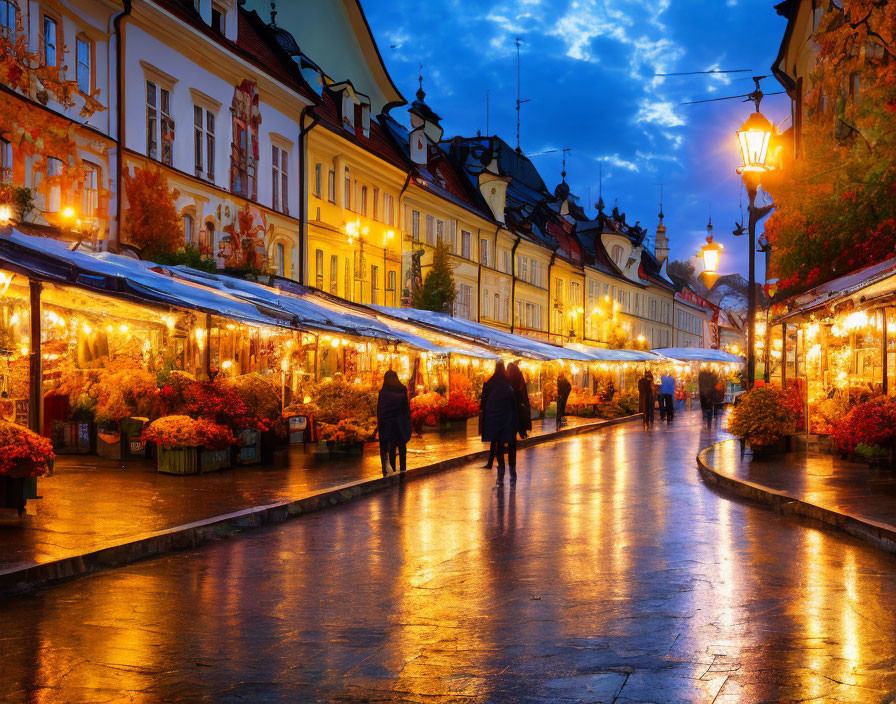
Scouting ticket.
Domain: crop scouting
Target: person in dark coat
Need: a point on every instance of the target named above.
(523, 413)
(645, 398)
(499, 417)
(564, 388)
(393, 416)
(706, 386)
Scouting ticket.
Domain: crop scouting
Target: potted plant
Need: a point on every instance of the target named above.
(261, 397)
(188, 446)
(124, 401)
(24, 456)
(346, 436)
(762, 419)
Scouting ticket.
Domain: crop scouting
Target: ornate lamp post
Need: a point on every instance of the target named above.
(753, 138)
(711, 252)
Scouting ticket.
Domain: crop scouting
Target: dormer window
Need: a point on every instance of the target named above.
(348, 110)
(617, 255)
(217, 20)
(365, 120)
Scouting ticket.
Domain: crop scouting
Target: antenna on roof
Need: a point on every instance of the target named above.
(519, 102)
(487, 133)
(661, 200)
(273, 13)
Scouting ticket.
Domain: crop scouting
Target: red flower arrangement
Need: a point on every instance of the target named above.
(211, 400)
(459, 408)
(23, 453)
(872, 423)
(183, 431)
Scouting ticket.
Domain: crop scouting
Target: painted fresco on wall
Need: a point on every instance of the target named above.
(244, 148)
(245, 233)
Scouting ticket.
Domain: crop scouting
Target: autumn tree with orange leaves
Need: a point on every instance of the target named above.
(151, 221)
(836, 208)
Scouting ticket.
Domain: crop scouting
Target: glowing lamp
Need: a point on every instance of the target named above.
(753, 138)
(711, 253)
(68, 212)
(5, 214)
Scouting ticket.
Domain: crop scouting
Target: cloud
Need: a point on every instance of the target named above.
(616, 160)
(659, 112)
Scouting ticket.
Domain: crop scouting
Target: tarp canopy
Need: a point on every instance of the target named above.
(602, 354)
(124, 277)
(484, 335)
(698, 354)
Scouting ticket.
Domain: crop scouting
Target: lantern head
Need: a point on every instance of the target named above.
(753, 138)
(710, 253)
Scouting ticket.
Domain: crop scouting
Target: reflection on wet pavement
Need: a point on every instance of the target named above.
(610, 573)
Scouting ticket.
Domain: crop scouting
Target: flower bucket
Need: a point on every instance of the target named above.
(213, 460)
(178, 460)
(73, 437)
(12, 493)
(248, 447)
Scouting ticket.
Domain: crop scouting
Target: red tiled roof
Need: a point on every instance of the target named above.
(377, 143)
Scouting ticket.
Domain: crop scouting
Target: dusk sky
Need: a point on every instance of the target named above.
(588, 71)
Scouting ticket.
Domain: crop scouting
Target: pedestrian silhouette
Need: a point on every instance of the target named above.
(393, 415)
(499, 417)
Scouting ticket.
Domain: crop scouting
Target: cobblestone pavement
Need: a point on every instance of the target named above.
(610, 573)
(91, 503)
(821, 479)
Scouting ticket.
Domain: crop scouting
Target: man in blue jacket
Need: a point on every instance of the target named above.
(667, 397)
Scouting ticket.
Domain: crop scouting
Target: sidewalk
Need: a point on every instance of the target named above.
(96, 513)
(849, 496)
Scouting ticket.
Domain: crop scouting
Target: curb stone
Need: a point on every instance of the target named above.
(880, 535)
(28, 576)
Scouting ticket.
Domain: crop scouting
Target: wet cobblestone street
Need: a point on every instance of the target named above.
(610, 573)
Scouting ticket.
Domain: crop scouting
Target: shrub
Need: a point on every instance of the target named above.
(762, 417)
(183, 431)
(872, 423)
(23, 453)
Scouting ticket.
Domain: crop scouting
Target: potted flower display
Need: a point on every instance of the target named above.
(763, 419)
(123, 403)
(188, 446)
(24, 456)
(261, 397)
(346, 436)
(346, 415)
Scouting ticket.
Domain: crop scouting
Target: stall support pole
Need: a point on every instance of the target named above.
(35, 373)
(783, 355)
(885, 386)
(208, 346)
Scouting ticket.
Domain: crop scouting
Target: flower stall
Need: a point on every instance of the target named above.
(834, 345)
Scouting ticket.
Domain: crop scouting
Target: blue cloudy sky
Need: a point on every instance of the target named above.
(588, 71)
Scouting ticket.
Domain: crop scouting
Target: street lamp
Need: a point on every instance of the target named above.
(711, 252)
(753, 138)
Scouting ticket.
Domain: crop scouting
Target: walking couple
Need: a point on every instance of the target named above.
(505, 412)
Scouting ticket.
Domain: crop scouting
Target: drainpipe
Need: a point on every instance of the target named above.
(120, 121)
(398, 204)
(479, 276)
(550, 289)
(513, 281)
(303, 201)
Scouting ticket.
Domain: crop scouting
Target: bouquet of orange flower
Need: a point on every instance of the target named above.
(346, 431)
(183, 431)
(23, 453)
(762, 417)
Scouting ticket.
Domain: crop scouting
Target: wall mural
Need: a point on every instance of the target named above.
(243, 243)
(244, 148)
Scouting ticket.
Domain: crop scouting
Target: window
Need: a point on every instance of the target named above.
(521, 265)
(317, 179)
(347, 191)
(188, 229)
(331, 186)
(363, 200)
(466, 239)
(54, 194)
(376, 203)
(485, 303)
(90, 197)
(574, 291)
(653, 309)
(280, 259)
(347, 280)
(388, 209)
(204, 142)
(159, 125)
(617, 255)
(334, 275)
(319, 268)
(558, 290)
(84, 64)
(415, 225)
(483, 252)
(207, 239)
(374, 284)
(392, 288)
(497, 307)
(430, 229)
(462, 302)
(506, 262)
(51, 40)
(5, 161)
(8, 19)
(217, 20)
(279, 180)
(440, 231)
